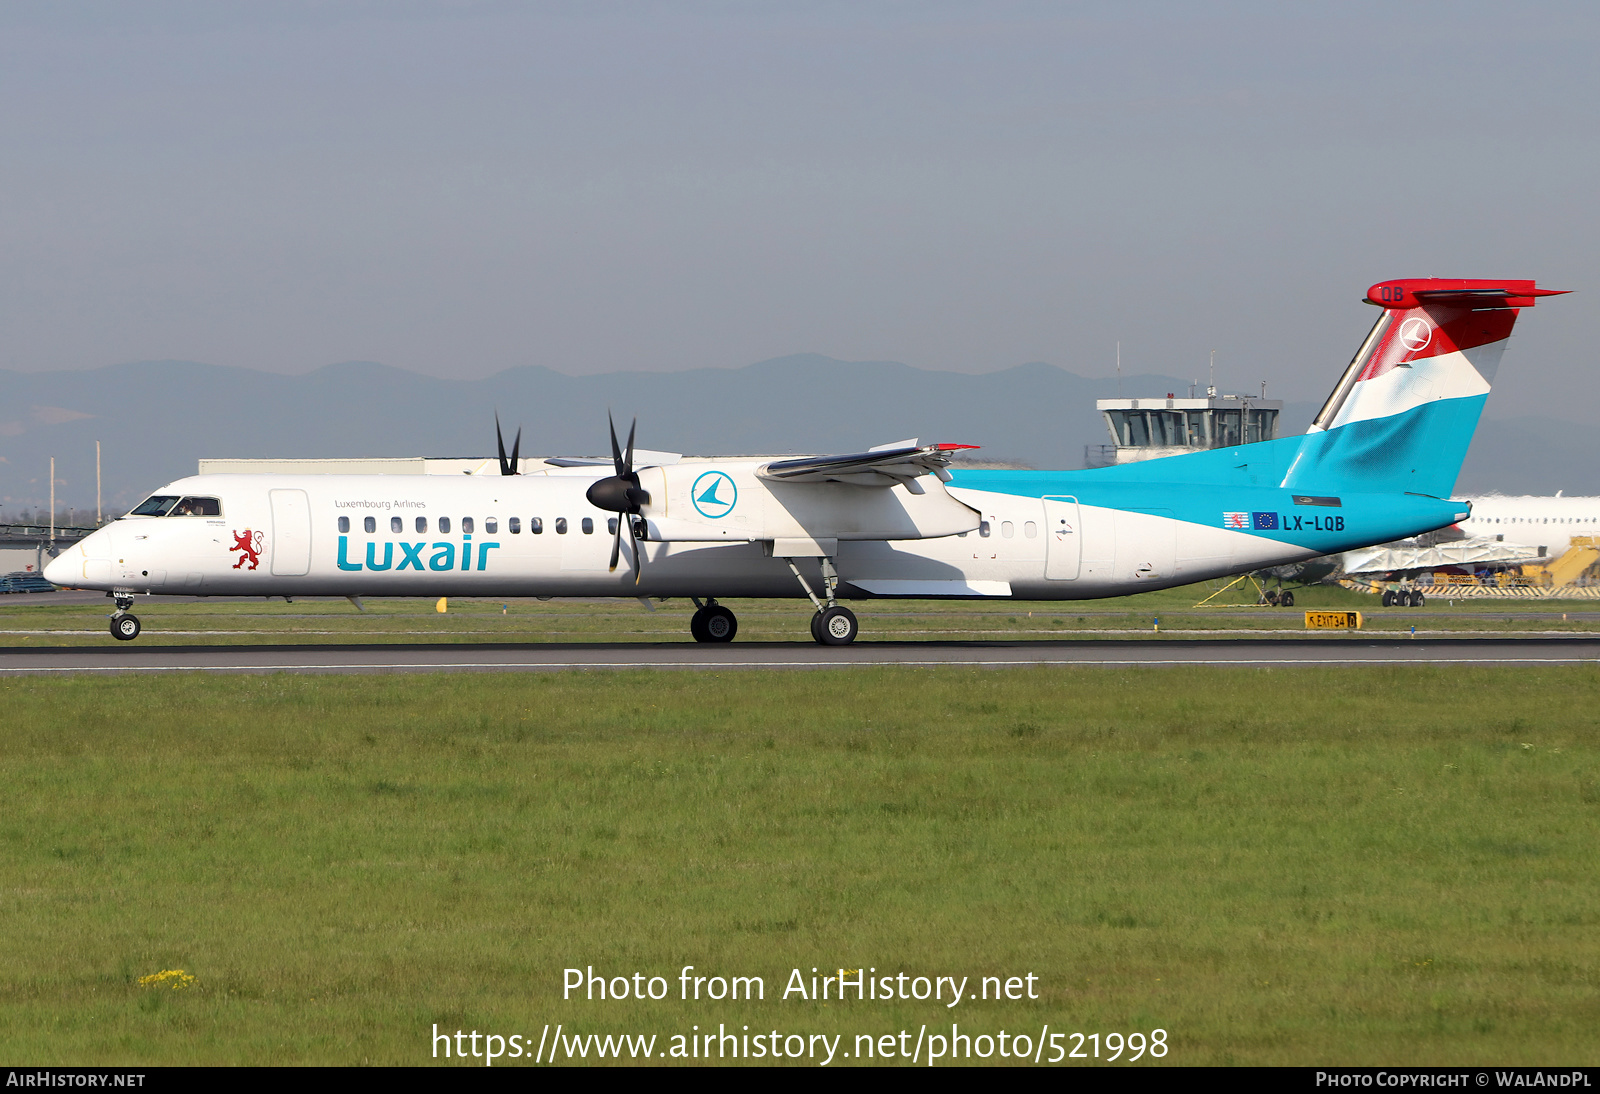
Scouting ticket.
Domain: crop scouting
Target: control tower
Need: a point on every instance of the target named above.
(1147, 429)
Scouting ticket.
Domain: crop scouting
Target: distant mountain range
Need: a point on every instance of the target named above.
(155, 419)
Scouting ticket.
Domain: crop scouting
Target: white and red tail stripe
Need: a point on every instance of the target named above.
(1436, 339)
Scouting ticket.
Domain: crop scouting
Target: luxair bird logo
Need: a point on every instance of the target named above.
(714, 494)
(1415, 334)
(248, 543)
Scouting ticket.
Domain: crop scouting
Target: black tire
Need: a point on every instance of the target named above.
(836, 626)
(816, 627)
(697, 626)
(1388, 599)
(1286, 600)
(720, 624)
(1418, 600)
(125, 628)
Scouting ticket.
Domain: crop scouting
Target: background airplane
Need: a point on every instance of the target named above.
(1378, 464)
(1548, 522)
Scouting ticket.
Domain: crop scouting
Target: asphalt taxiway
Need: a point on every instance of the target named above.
(507, 657)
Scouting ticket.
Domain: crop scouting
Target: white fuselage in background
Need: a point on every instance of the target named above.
(1548, 522)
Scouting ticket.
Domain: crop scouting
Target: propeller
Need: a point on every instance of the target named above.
(621, 493)
(507, 467)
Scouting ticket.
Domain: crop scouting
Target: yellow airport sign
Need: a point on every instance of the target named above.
(1333, 621)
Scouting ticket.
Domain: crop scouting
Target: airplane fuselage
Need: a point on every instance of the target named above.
(1016, 534)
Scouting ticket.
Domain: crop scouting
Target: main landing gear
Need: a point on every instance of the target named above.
(833, 624)
(1404, 598)
(712, 622)
(124, 627)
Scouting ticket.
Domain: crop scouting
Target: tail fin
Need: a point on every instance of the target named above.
(1403, 414)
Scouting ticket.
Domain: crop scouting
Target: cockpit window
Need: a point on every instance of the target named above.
(197, 507)
(155, 506)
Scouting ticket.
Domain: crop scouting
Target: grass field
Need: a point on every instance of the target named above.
(24, 622)
(1295, 866)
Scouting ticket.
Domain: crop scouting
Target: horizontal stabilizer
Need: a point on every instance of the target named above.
(1455, 292)
(879, 467)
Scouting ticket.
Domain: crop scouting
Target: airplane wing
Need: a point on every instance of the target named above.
(890, 465)
(643, 457)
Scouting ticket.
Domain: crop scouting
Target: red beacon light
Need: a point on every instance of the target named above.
(1419, 292)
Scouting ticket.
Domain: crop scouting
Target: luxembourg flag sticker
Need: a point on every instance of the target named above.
(1236, 520)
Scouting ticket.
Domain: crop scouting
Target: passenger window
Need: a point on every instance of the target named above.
(561, 526)
(1030, 529)
(344, 524)
(536, 525)
(588, 526)
(444, 525)
(370, 524)
(198, 507)
(514, 526)
(422, 525)
(611, 526)
(466, 526)
(1007, 529)
(155, 506)
(983, 529)
(490, 526)
(396, 525)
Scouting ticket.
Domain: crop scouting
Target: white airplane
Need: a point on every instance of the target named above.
(1377, 465)
(1533, 521)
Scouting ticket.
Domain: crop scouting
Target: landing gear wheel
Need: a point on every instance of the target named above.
(835, 626)
(1388, 599)
(1286, 600)
(125, 628)
(816, 627)
(1418, 600)
(721, 624)
(713, 623)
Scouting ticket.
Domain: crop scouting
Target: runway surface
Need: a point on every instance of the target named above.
(371, 658)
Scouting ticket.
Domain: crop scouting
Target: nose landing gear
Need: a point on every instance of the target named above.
(124, 626)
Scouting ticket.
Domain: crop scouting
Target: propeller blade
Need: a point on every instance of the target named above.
(631, 430)
(616, 450)
(516, 454)
(500, 443)
(616, 546)
(633, 540)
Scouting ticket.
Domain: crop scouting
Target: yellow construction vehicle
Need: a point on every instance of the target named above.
(1567, 567)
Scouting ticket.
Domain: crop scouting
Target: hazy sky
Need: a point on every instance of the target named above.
(457, 188)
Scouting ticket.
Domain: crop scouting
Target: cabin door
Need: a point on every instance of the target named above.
(1063, 539)
(291, 533)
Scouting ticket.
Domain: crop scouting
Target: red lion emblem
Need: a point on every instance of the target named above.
(249, 543)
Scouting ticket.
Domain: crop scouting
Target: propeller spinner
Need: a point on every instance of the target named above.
(621, 493)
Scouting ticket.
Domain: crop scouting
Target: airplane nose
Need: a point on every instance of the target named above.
(59, 570)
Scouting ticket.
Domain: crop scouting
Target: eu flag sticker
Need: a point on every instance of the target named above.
(1264, 522)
